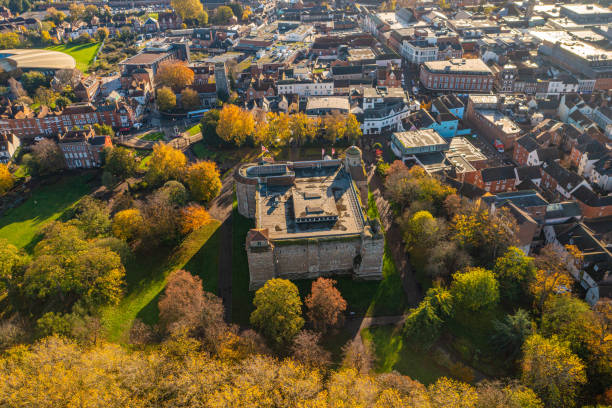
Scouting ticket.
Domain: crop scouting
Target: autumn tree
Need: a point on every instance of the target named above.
(484, 234)
(235, 124)
(325, 305)
(495, 394)
(33, 80)
(77, 11)
(303, 128)
(223, 15)
(166, 99)
(47, 158)
(66, 268)
(307, 350)
(194, 217)
(190, 99)
(452, 394)
(203, 180)
(420, 231)
(552, 370)
(278, 314)
(166, 163)
(6, 179)
(128, 224)
(102, 34)
(162, 221)
(189, 9)
(335, 127)
(357, 355)
(182, 303)
(552, 275)
(174, 74)
(13, 263)
(353, 128)
(475, 289)
(515, 272)
(445, 258)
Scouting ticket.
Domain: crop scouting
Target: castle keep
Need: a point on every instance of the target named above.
(309, 220)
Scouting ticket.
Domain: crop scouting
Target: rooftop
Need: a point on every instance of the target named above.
(301, 200)
(144, 58)
(459, 65)
(35, 59)
(418, 138)
(500, 120)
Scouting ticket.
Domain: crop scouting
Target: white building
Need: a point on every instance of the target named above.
(305, 87)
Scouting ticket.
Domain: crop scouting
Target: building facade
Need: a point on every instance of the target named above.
(459, 75)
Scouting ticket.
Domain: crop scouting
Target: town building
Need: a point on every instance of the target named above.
(405, 145)
(309, 221)
(460, 75)
(82, 148)
(9, 143)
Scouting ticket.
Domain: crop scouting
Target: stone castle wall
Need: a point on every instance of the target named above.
(245, 195)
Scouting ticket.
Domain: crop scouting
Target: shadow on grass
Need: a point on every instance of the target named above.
(21, 225)
(242, 297)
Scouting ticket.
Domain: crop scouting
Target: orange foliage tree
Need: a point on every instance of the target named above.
(174, 74)
(325, 304)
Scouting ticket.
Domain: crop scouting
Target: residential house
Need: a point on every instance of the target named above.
(498, 179)
(560, 181)
(593, 205)
(82, 148)
(601, 173)
(87, 88)
(9, 143)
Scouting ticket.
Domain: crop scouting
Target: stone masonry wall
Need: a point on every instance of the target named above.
(245, 195)
(372, 251)
(261, 266)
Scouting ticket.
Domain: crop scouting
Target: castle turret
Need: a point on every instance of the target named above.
(354, 165)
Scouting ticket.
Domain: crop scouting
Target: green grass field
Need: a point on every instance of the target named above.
(21, 225)
(193, 130)
(394, 353)
(146, 278)
(152, 136)
(242, 298)
(82, 53)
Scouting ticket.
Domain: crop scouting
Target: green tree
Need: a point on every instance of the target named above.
(120, 163)
(166, 163)
(425, 322)
(278, 312)
(9, 41)
(32, 80)
(102, 129)
(209, 123)
(475, 289)
(510, 334)
(92, 216)
(515, 272)
(552, 370)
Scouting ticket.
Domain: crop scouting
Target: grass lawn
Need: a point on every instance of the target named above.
(82, 53)
(21, 225)
(242, 298)
(246, 63)
(152, 136)
(193, 130)
(394, 353)
(146, 278)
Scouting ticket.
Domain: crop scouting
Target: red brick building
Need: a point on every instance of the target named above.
(498, 179)
(592, 204)
(523, 147)
(82, 148)
(29, 125)
(464, 75)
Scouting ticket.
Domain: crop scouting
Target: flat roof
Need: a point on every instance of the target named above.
(502, 121)
(35, 59)
(328, 102)
(461, 146)
(419, 138)
(144, 58)
(585, 8)
(329, 193)
(460, 65)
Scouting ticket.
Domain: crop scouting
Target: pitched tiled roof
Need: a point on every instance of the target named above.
(498, 173)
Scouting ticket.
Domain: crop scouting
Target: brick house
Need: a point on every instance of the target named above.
(169, 20)
(585, 155)
(82, 148)
(465, 75)
(560, 181)
(25, 124)
(592, 204)
(524, 149)
(87, 88)
(9, 143)
(498, 179)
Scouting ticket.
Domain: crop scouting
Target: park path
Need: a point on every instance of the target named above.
(221, 209)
